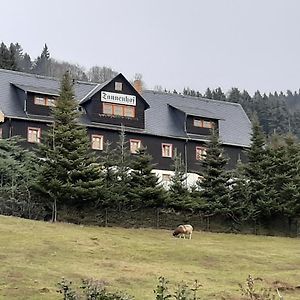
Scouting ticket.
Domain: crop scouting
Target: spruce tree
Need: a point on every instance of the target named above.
(42, 64)
(178, 193)
(70, 175)
(213, 178)
(4, 57)
(18, 172)
(144, 189)
(255, 173)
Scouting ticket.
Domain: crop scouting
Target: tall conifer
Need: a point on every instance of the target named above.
(70, 175)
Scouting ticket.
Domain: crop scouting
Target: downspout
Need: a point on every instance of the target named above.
(25, 102)
(10, 128)
(185, 150)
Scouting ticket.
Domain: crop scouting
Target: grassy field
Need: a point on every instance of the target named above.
(35, 255)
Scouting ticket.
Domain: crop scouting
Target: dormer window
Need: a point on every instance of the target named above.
(44, 100)
(118, 86)
(202, 123)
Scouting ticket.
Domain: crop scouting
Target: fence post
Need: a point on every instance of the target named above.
(157, 218)
(106, 218)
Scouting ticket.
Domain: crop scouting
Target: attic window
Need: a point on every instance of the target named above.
(203, 123)
(118, 86)
(44, 100)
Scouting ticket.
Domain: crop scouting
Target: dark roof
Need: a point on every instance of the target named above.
(9, 100)
(196, 111)
(234, 125)
(164, 118)
(37, 90)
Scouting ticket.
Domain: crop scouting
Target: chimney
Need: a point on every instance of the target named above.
(138, 85)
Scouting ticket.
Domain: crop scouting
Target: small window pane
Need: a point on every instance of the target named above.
(107, 109)
(33, 135)
(97, 142)
(129, 111)
(118, 86)
(166, 150)
(118, 110)
(39, 100)
(197, 123)
(51, 102)
(206, 124)
(135, 145)
(200, 153)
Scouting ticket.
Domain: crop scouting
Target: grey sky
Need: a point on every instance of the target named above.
(251, 44)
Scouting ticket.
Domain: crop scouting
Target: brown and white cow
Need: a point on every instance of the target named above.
(183, 231)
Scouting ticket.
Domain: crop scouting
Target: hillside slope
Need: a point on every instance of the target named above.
(35, 255)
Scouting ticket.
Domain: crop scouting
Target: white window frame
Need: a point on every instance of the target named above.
(29, 135)
(118, 86)
(132, 150)
(97, 136)
(163, 154)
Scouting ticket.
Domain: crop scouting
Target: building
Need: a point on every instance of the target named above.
(162, 122)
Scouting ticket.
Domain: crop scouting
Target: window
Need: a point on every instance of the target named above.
(118, 86)
(45, 101)
(135, 145)
(34, 135)
(166, 177)
(97, 142)
(119, 110)
(200, 153)
(203, 123)
(166, 150)
(107, 109)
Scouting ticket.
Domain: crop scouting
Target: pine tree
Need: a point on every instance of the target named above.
(213, 178)
(234, 95)
(12, 62)
(121, 160)
(208, 94)
(145, 190)
(70, 175)
(255, 173)
(4, 57)
(42, 64)
(218, 94)
(18, 172)
(178, 193)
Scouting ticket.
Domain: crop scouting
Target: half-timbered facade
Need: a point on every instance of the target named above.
(162, 122)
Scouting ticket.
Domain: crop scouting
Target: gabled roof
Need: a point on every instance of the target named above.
(165, 117)
(196, 111)
(234, 125)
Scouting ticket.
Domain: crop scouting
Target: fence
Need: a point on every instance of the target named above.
(169, 219)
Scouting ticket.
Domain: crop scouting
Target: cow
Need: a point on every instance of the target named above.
(183, 231)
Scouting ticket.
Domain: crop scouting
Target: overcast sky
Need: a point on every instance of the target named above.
(249, 44)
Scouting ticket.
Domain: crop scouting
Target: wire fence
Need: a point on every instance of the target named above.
(169, 219)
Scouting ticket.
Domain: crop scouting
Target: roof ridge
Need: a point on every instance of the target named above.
(43, 76)
(193, 97)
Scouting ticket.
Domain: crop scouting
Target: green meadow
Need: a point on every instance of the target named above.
(35, 256)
